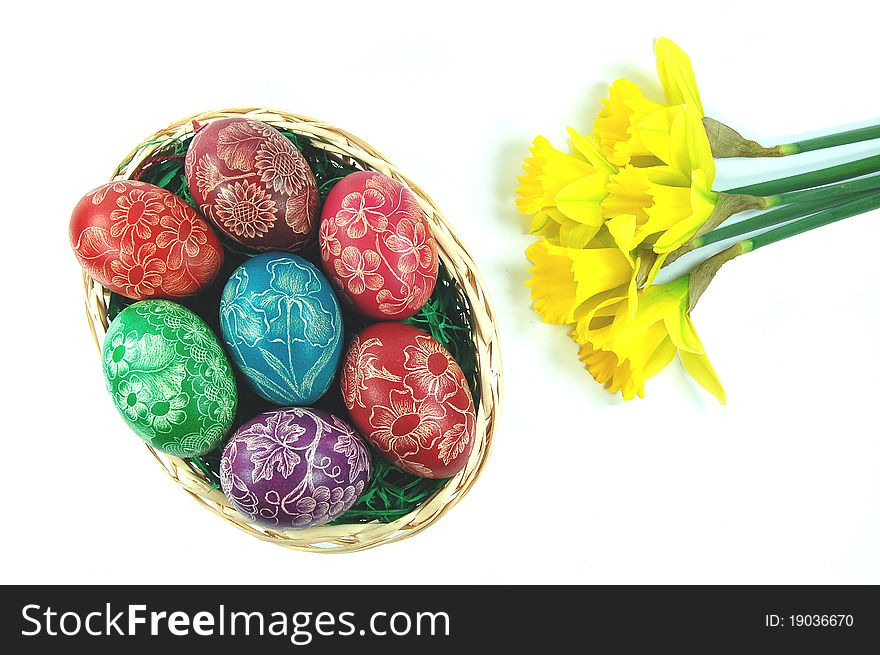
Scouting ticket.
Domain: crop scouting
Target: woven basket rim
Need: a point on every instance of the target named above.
(354, 536)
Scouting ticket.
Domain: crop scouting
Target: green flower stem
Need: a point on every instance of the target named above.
(842, 190)
(830, 140)
(765, 219)
(825, 217)
(823, 176)
(800, 204)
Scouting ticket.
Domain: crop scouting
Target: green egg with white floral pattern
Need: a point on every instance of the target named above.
(169, 378)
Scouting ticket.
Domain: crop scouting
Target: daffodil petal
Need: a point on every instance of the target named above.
(561, 168)
(676, 74)
(603, 239)
(604, 305)
(702, 204)
(547, 223)
(655, 132)
(623, 231)
(682, 332)
(680, 147)
(672, 206)
(659, 359)
(590, 150)
(699, 147)
(655, 268)
(543, 225)
(632, 292)
(667, 176)
(576, 235)
(663, 303)
(599, 269)
(581, 199)
(700, 369)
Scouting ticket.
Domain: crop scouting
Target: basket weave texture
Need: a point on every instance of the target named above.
(354, 536)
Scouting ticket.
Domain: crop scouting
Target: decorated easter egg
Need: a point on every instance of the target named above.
(408, 396)
(253, 184)
(377, 246)
(169, 377)
(294, 468)
(282, 327)
(142, 241)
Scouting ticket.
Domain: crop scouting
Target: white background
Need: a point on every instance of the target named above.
(782, 485)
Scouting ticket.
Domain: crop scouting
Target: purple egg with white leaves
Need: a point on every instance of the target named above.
(295, 468)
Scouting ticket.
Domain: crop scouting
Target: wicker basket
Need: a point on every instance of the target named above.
(357, 536)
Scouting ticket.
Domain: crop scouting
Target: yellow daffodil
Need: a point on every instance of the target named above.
(564, 279)
(670, 202)
(563, 192)
(572, 195)
(623, 351)
(608, 212)
(625, 108)
(635, 196)
(615, 374)
(629, 122)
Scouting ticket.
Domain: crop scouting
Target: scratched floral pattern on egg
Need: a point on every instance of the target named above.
(283, 327)
(377, 247)
(253, 184)
(142, 241)
(294, 468)
(408, 396)
(169, 377)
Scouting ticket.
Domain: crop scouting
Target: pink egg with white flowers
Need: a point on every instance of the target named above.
(377, 247)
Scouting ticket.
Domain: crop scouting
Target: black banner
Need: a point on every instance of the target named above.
(434, 619)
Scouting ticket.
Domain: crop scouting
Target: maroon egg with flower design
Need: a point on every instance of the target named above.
(294, 468)
(409, 397)
(377, 246)
(142, 241)
(253, 184)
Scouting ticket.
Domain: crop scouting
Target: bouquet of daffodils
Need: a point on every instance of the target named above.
(637, 194)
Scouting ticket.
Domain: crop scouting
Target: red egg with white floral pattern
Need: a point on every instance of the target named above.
(142, 241)
(408, 396)
(377, 246)
(252, 183)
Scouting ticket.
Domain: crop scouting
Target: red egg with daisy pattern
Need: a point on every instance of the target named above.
(408, 396)
(377, 247)
(141, 241)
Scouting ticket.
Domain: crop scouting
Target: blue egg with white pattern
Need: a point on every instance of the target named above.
(282, 327)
